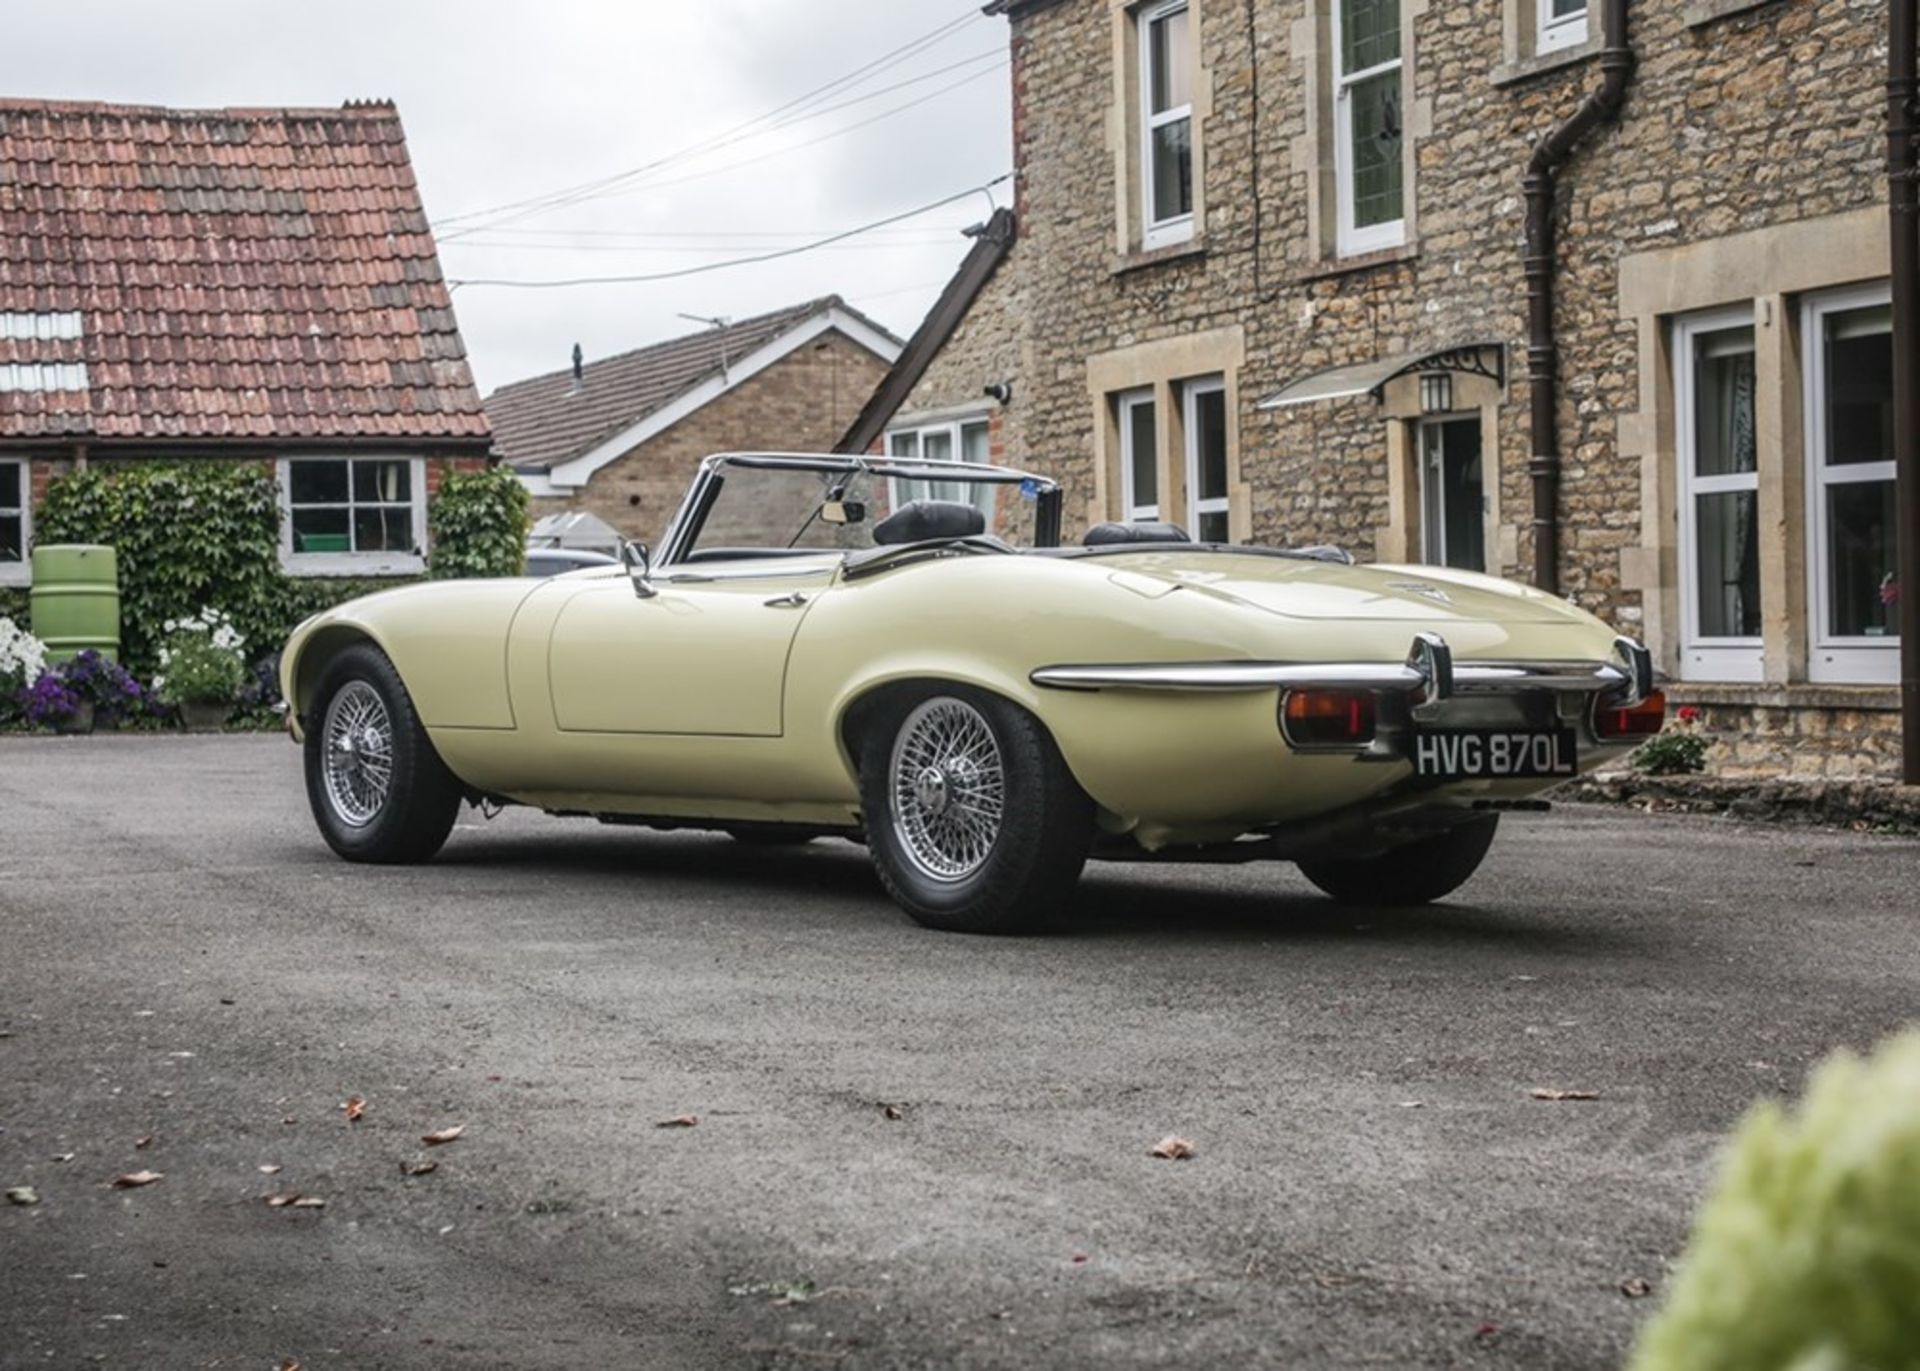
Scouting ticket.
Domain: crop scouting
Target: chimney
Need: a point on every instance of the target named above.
(579, 371)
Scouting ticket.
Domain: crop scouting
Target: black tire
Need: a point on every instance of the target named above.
(412, 817)
(1025, 869)
(1418, 873)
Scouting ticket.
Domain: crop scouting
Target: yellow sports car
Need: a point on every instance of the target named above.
(902, 652)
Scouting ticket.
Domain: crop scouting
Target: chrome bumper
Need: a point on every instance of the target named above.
(1429, 674)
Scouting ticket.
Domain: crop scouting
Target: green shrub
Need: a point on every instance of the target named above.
(1805, 1256)
(1671, 754)
(478, 524)
(186, 536)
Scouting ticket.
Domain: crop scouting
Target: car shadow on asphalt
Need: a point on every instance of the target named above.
(1169, 904)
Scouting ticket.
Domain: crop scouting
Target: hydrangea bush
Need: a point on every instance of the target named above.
(202, 660)
(1805, 1256)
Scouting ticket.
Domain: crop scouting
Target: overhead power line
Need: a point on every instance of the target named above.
(840, 237)
(515, 210)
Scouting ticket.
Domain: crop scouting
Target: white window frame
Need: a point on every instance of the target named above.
(21, 572)
(981, 495)
(1124, 404)
(1160, 233)
(1551, 33)
(1833, 659)
(1349, 240)
(1704, 658)
(1190, 421)
(353, 563)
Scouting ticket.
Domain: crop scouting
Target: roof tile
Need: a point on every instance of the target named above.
(260, 272)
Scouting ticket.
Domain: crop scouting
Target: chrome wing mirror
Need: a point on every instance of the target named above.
(639, 564)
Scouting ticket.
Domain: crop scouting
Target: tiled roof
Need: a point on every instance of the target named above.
(239, 274)
(545, 420)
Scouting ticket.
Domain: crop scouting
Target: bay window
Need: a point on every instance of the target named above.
(963, 440)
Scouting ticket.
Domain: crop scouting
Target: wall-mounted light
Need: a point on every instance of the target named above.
(1000, 391)
(1436, 392)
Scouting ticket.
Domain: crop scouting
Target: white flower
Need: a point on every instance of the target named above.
(170, 626)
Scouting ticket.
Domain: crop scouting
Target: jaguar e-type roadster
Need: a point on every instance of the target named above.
(903, 653)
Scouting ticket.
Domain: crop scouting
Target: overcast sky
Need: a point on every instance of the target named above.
(507, 100)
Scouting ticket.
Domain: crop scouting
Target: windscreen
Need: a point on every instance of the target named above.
(764, 509)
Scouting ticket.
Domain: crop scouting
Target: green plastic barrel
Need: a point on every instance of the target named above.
(76, 600)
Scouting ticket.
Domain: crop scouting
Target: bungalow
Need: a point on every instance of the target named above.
(620, 438)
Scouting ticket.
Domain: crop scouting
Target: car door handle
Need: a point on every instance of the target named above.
(793, 599)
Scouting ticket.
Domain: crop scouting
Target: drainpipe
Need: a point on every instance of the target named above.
(1903, 205)
(1549, 155)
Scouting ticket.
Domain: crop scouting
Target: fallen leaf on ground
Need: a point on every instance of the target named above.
(445, 1135)
(1635, 1287)
(682, 1121)
(353, 1108)
(268, 1168)
(892, 1111)
(281, 1201)
(136, 1178)
(1172, 1148)
(422, 1168)
(63, 1156)
(289, 1364)
(142, 1144)
(1547, 1093)
(23, 1194)
(1487, 1330)
(1079, 1258)
(308, 1202)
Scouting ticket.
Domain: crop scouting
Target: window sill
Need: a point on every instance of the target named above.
(1703, 12)
(1154, 257)
(350, 564)
(1558, 59)
(1360, 261)
(1798, 695)
(16, 574)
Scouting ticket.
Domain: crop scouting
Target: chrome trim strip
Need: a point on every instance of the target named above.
(1429, 669)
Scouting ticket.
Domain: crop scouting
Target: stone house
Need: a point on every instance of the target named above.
(1270, 283)
(254, 285)
(620, 438)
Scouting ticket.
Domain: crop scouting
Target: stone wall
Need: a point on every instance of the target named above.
(802, 403)
(1743, 116)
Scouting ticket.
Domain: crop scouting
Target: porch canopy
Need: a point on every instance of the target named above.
(1371, 378)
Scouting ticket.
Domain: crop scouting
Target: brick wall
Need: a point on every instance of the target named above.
(802, 403)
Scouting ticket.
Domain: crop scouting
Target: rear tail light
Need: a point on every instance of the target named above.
(1612, 723)
(1328, 718)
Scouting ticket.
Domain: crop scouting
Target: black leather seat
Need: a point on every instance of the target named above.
(1111, 535)
(920, 521)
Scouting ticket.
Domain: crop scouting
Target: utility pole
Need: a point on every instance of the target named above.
(1903, 205)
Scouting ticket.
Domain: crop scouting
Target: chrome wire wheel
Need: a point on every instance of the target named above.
(357, 754)
(948, 788)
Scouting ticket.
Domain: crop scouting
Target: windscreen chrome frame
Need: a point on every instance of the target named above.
(692, 514)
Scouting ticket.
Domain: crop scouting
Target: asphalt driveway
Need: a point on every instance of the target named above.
(181, 961)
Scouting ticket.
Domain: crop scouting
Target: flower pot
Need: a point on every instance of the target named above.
(80, 721)
(205, 716)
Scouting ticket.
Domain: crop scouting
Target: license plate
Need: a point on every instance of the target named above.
(1482, 754)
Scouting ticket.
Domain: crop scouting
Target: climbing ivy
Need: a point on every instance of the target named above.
(478, 524)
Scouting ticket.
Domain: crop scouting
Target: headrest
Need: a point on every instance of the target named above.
(920, 521)
(1108, 535)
